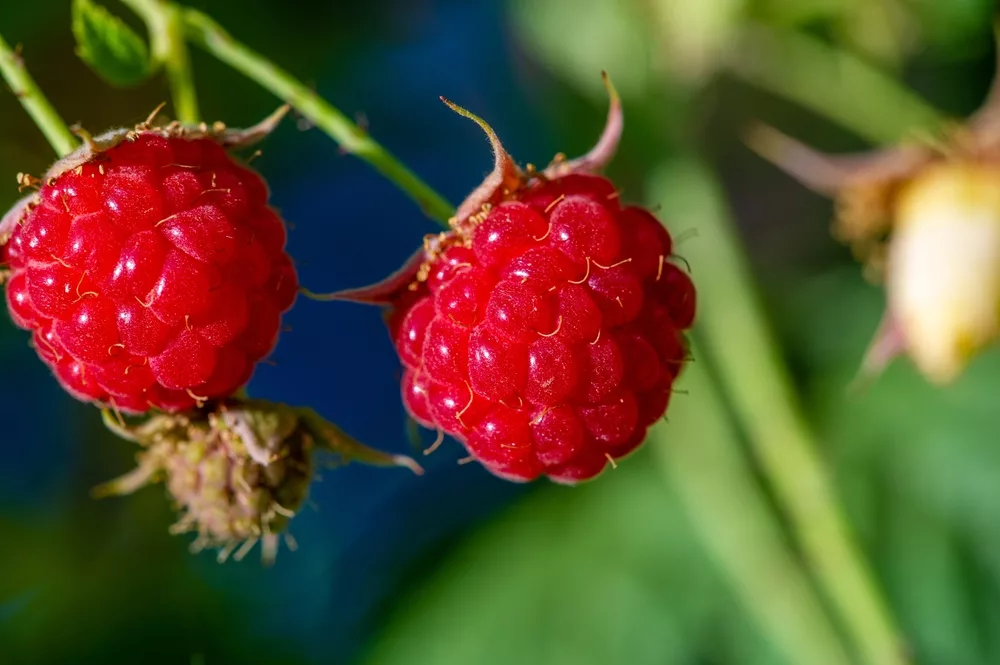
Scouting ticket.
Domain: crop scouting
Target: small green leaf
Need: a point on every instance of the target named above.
(111, 48)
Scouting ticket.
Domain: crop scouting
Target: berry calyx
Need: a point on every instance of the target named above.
(149, 268)
(545, 330)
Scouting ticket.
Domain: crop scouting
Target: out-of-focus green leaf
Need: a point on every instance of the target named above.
(796, 12)
(886, 31)
(960, 27)
(927, 578)
(883, 31)
(111, 48)
(831, 82)
(691, 36)
(606, 572)
(579, 39)
(12, 606)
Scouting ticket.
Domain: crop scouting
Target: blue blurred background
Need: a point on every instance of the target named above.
(457, 566)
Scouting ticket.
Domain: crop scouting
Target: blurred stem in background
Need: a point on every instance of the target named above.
(34, 102)
(700, 453)
(830, 82)
(752, 375)
(209, 35)
(166, 36)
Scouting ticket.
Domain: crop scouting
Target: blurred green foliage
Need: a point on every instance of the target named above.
(639, 566)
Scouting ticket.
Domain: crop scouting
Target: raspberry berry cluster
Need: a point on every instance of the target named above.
(150, 269)
(544, 331)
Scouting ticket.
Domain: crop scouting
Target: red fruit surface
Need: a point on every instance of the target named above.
(547, 341)
(152, 276)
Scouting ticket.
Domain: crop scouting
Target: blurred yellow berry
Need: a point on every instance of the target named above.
(943, 265)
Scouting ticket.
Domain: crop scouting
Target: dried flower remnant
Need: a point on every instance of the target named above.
(240, 471)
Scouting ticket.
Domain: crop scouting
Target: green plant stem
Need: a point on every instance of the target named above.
(166, 35)
(754, 378)
(209, 35)
(700, 452)
(831, 83)
(34, 102)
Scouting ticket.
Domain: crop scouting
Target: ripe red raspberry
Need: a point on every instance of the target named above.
(150, 270)
(545, 330)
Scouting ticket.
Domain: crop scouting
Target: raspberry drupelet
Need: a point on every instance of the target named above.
(150, 269)
(545, 330)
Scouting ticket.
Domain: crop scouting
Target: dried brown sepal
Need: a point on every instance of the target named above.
(245, 138)
(386, 292)
(862, 220)
(829, 174)
(888, 344)
(506, 177)
(607, 145)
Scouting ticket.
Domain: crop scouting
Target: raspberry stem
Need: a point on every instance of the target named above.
(166, 35)
(34, 102)
(203, 31)
(750, 369)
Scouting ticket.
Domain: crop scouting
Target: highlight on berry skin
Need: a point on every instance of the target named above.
(544, 330)
(924, 219)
